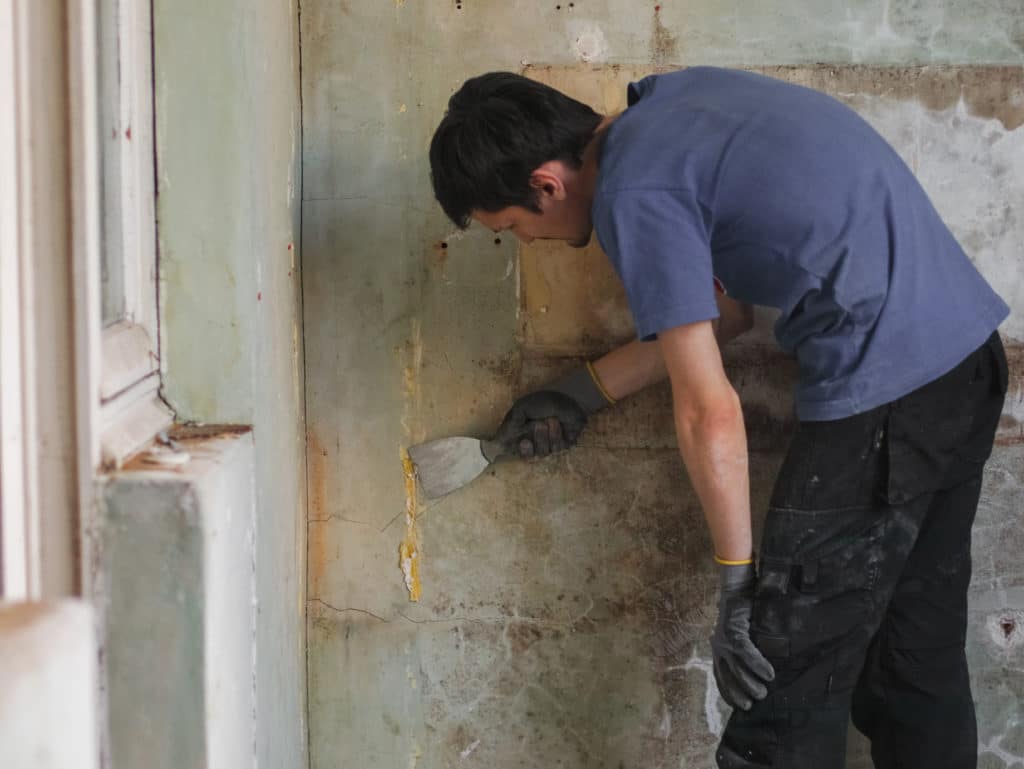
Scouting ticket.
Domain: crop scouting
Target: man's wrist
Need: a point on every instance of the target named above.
(584, 386)
(737, 577)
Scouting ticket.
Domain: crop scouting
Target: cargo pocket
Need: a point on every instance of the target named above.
(815, 589)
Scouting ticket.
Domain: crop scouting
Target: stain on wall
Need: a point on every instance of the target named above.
(566, 603)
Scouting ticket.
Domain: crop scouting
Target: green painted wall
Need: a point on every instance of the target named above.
(228, 137)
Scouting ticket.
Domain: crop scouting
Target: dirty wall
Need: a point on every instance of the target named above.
(564, 605)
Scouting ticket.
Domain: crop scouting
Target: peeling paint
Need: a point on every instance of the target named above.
(414, 757)
(1006, 629)
(588, 41)
(987, 92)
(408, 551)
(993, 747)
(712, 716)
(552, 579)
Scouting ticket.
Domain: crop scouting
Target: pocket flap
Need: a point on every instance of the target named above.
(772, 645)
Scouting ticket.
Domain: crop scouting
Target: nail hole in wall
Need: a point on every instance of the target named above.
(444, 244)
(497, 241)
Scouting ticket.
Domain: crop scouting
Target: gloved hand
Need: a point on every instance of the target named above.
(741, 671)
(539, 424)
(552, 419)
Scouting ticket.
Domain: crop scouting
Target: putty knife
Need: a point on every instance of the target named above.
(447, 464)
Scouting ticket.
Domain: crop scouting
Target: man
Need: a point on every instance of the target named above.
(778, 196)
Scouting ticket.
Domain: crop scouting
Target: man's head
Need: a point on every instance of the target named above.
(509, 153)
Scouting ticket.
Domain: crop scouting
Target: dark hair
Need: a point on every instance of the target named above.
(499, 128)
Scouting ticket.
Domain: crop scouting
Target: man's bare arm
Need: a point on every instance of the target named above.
(636, 365)
(712, 437)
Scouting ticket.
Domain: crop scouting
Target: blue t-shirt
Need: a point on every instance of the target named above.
(792, 201)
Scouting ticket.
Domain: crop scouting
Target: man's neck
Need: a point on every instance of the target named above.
(592, 157)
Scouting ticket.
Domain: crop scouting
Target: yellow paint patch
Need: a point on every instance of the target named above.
(408, 551)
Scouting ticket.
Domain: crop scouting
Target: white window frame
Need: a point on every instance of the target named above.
(131, 409)
(75, 398)
(47, 294)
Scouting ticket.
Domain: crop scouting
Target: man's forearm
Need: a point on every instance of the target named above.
(634, 366)
(630, 368)
(713, 443)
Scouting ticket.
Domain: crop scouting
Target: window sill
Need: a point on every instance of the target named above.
(131, 420)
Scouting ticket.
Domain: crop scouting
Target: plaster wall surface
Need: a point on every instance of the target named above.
(228, 178)
(566, 604)
(177, 554)
(48, 669)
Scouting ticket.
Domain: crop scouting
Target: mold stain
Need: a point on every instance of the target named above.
(664, 45)
(318, 469)
(987, 91)
(316, 538)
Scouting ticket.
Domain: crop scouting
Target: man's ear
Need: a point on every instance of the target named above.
(549, 180)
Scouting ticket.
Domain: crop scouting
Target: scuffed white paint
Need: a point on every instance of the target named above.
(588, 41)
(711, 696)
(993, 747)
(414, 757)
(1006, 628)
(469, 749)
(952, 151)
(665, 726)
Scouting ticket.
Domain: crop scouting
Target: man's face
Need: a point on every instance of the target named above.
(564, 209)
(529, 226)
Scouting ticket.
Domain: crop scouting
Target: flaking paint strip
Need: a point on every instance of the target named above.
(408, 551)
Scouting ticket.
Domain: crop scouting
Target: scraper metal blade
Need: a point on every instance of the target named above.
(448, 464)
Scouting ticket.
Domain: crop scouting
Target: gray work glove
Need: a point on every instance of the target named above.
(540, 423)
(552, 419)
(741, 671)
(582, 386)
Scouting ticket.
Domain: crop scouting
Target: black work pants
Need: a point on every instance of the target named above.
(861, 599)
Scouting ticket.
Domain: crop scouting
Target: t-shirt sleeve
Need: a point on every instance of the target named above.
(658, 243)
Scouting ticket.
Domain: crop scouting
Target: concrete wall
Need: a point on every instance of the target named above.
(176, 555)
(48, 698)
(228, 177)
(566, 604)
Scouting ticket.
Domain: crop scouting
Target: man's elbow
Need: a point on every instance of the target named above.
(709, 418)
